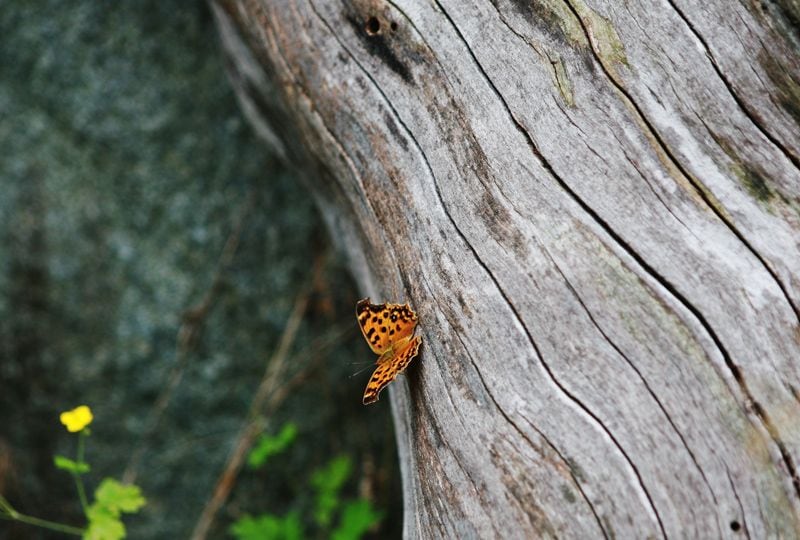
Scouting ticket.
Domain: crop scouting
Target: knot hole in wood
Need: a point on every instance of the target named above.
(373, 26)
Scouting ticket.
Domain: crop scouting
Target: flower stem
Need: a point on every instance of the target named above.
(7, 511)
(78, 477)
(6, 507)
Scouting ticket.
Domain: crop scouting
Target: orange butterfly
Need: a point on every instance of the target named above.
(389, 330)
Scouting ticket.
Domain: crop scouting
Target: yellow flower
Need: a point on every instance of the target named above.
(77, 419)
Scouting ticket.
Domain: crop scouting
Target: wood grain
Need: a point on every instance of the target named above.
(594, 207)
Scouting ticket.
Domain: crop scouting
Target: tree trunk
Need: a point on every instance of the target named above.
(594, 207)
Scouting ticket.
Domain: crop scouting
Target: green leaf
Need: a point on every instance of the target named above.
(327, 483)
(268, 527)
(111, 499)
(292, 528)
(268, 446)
(250, 528)
(332, 477)
(326, 505)
(117, 497)
(357, 518)
(103, 524)
(66, 464)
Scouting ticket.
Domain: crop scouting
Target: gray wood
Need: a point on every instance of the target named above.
(594, 206)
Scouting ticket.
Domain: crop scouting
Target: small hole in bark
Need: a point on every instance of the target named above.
(373, 26)
(393, 26)
(735, 526)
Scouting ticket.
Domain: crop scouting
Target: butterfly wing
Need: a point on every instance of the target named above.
(385, 324)
(391, 367)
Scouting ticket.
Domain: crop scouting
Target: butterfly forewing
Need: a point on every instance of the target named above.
(385, 324)
(390, 367)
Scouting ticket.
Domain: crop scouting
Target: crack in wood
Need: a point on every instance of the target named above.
(760, 411)
(739, 102)
(340, 147)
(638, 373)
(519, 431)
(519, 319)
(699, 187)
(483, 265)
(478, 492)
(738, 500)
(550, 444)
(767, 430)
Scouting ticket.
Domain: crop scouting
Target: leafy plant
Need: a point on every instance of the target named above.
(111, 499)
(268, 527)
(71, 466)
(268, 446)
(355, 517)
(327, 482)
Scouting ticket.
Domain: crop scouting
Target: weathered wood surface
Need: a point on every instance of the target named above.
(594, 207)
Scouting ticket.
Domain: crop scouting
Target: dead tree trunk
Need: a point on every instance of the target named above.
(594, 206)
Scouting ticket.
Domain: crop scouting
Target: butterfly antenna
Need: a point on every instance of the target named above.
(362, 370)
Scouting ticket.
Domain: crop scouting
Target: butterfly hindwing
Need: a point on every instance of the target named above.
(385, 324)
(390, 367)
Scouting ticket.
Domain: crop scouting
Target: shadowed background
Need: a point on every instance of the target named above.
(126, 171)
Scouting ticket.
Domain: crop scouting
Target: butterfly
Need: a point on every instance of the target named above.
(389, 330)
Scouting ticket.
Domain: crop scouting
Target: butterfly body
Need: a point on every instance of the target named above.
(389, 331)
